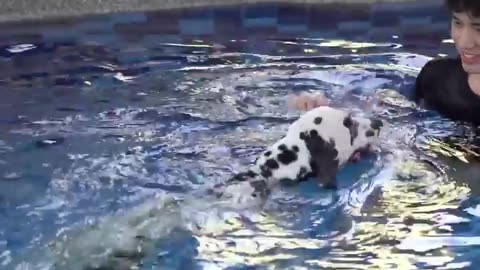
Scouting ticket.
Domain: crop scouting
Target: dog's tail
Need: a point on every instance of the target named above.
(251, 175)
(253, 179)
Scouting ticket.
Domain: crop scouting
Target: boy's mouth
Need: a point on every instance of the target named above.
(470, 59)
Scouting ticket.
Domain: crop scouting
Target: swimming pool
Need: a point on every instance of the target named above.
(100, 113)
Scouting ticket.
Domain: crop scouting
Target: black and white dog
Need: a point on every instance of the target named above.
(316, 145)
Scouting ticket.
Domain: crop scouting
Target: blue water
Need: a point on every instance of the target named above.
(98, 114)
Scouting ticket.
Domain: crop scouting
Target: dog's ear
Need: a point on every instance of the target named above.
(352, 126)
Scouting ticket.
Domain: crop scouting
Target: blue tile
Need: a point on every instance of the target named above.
(354, 25)
(354, 12)
(59, 35)
(197, 26)
(385, 18)
(440, 14)
(415, 21)
(198, 13)
(417, 12)
(322, 34)
(227, 13)
(128, 18)
(162, 38)
(260, 22)
(260, 11)
(327, 17)
(95, 26)
(103, 38)
(292, 28)
(292, 14)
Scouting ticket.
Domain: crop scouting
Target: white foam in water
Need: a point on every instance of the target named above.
(458, 265)
(134, 232)
(427, 243)
(411, 60)
(474, 211)
(21, 48)
(5, 257)
(445, 218)
(356, 198)
(374, 83)
(212, 266)
(333, 76)
(119, 76)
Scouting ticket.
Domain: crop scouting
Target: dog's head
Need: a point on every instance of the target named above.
(365, 132)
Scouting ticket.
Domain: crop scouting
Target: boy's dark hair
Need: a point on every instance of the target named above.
(472, 7)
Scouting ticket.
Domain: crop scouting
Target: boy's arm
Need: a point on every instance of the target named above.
(306, 101)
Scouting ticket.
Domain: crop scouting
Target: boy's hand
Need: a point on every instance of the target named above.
(306, 101)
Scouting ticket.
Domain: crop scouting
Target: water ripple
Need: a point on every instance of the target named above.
(89, 131)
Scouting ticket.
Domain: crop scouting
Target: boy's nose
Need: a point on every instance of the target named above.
(466, 40)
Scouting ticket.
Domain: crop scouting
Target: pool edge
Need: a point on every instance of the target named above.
(32, 10)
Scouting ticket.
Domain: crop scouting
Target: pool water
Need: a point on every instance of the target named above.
(99, 114)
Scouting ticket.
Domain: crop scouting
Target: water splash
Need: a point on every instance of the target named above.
(110, 127)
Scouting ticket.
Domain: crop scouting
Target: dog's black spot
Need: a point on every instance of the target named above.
(286, 182)
(347, 122)
(241, 177)
(313, 133)
(140, 237)
(148, 114)
(268, 153)
(237, 178)
(313, 165)
(272, 163)
(214, 191)
(318, 120)
(260, 188)
(266, 174)
(370, 133)
(302, 173)
(324, 163)
(219, 185)
(295, 148)
(352, 126)
(282, 147)
(265, 171)
(287, 156)
(376, 124)
(303, 136)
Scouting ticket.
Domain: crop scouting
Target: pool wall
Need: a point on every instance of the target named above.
(19, 10)
(417, 21)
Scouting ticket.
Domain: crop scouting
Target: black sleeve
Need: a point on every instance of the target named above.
(415, 91)
(420, 84)
(423, 83)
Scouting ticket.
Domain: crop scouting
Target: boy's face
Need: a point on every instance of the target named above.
(465, 31)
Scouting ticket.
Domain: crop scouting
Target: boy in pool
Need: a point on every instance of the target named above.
(450, 86)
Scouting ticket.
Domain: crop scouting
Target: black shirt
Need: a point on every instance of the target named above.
(442, 85)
